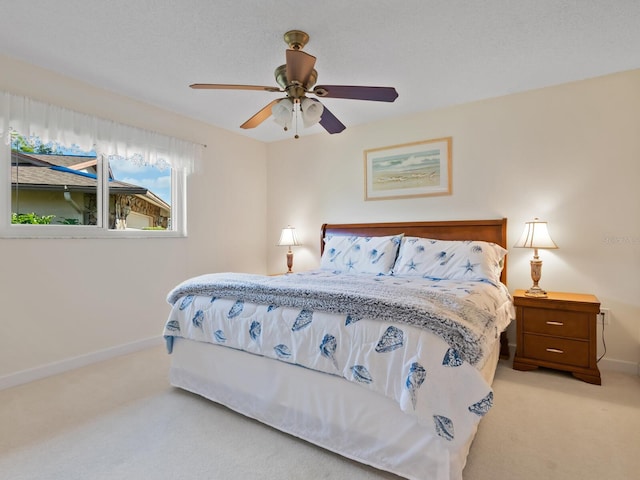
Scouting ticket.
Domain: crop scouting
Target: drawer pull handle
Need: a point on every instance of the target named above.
(554, 350)
(555, 323)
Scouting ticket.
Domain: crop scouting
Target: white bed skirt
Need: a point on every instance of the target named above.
(320, 408)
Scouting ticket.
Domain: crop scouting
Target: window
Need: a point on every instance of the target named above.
(124, 183)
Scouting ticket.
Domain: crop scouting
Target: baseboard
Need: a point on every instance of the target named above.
(619, 366)
(32, 374)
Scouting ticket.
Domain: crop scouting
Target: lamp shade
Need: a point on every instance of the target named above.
(288, 237)
(535, 235)
(311, 112)
(283, 113)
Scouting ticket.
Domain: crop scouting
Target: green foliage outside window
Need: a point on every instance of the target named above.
(20, 143)
(31, 218)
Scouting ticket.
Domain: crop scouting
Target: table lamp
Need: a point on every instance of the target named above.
(289, 239)
(535, 235)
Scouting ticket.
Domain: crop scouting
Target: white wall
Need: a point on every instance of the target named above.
(569, 154)
(63, 299)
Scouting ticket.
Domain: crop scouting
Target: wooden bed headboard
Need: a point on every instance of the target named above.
(487, 230)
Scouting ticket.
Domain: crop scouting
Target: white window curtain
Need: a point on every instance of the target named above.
(66, 127)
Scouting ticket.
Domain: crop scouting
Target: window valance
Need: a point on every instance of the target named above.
(66, 127)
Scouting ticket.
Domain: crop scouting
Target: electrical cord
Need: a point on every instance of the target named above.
(604, 344)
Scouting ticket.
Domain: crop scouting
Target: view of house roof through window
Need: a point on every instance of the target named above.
(59, 185)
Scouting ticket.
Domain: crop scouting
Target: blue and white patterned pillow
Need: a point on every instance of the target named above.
(354, 254)
(450, 260)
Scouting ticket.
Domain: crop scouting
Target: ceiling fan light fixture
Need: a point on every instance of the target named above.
(283, 113)
(311, 112)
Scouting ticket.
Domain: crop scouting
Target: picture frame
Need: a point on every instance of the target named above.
(418, 169)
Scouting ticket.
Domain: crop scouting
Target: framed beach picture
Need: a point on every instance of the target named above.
(416, 169)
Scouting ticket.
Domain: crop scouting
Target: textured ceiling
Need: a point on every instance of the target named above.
(435, 52)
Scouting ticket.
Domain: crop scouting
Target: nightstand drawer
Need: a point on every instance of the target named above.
(557, 350)
(558, 323)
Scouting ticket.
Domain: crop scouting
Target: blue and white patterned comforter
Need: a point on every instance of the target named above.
(418, 342)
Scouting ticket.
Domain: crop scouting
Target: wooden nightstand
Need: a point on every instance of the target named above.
(557, 332)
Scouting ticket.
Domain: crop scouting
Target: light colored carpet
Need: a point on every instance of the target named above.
(121, 420)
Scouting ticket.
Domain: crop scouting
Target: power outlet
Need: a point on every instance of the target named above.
(604, 317)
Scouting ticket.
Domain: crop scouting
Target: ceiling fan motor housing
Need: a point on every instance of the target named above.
(294, 89)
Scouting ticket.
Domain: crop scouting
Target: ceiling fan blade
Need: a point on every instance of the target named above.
(299, 66)
(261, 116)
(377, 94)
(222, 86)
(330, 123)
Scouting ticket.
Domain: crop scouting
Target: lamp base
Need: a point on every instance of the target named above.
(289, 261)
(535, 291)
(536, 273)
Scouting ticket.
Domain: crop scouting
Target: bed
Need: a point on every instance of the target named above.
(383, 354)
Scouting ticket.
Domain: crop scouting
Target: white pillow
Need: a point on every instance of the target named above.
(450, 259)
(353, 254)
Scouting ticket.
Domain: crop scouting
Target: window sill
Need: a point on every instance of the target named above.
(52, 231)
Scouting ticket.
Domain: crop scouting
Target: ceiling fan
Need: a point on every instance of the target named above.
(296, 79)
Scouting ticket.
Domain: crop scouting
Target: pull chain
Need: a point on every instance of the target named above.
(296, 109)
